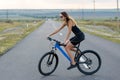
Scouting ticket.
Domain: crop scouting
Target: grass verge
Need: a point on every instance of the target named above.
(106, 30)
(12, 33)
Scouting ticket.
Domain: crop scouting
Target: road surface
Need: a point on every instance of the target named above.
(21, 62)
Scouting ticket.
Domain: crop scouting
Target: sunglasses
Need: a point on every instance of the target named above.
(61, 16)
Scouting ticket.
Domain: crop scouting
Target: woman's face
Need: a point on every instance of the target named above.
(62, 17)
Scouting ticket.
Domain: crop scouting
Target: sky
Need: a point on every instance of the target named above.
(57, 4)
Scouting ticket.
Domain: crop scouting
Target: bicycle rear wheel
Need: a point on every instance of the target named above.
(89, 62)
(48, 63)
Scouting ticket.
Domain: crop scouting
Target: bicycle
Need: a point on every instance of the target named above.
(49, 61)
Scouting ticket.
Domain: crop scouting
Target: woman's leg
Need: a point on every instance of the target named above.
(74, 50)
(68, 48)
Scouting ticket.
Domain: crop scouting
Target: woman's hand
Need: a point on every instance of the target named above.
(66, 42)
(48, 36)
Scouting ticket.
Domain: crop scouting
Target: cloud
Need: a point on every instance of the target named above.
(55, 4)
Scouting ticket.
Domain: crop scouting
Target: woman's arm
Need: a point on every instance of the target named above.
(63, 25)
(70, 23)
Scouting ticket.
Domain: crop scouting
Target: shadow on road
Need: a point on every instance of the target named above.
(82, 77)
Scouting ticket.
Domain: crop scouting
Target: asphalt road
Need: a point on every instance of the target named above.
(21, 62)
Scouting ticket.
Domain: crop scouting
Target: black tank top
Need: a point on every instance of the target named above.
(76, 31)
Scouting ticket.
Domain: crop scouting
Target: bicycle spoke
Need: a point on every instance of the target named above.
(89, 62)
(48, 64)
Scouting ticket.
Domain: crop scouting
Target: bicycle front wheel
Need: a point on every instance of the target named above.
(48, 63)
(89, 62)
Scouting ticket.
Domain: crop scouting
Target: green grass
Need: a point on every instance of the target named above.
(110, 33)
(113, 39)
(10, 38)
(107, 23)
(4, 25)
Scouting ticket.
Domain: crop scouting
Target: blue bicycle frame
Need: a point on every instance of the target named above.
(62, 51)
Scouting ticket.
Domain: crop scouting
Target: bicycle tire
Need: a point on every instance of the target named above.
(95, 54)
(55, 57)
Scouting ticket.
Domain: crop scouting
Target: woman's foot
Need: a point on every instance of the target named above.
(72, 66)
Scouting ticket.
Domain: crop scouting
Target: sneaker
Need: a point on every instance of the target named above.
(71, 66)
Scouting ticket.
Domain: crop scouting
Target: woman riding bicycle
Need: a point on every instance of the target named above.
(70, 43)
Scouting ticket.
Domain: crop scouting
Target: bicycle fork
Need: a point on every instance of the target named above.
(51, 57)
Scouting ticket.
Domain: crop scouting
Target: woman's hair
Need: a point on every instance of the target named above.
(65, 14)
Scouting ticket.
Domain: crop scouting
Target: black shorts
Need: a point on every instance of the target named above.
(77, 39)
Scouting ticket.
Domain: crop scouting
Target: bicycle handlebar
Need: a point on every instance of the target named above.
(61, 44)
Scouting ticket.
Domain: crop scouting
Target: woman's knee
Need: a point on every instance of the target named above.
(68, 47)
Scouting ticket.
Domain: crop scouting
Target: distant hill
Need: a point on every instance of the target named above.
(43, 13)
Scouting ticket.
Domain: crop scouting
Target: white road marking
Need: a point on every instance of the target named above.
(61, 34)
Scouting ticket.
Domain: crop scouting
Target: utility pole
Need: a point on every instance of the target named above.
(7, 15)
(94, 11)
(94, 5)
(82, 14)
(118, 15)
